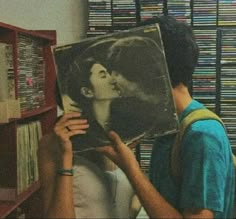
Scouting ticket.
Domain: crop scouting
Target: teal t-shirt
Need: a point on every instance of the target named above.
(208, 172)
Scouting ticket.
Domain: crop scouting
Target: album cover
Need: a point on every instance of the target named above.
(119, 82)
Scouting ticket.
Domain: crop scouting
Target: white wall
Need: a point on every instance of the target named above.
(67, 17)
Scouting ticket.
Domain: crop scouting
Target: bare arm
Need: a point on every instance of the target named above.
(47, 170)
(57, 190)
(155, 205)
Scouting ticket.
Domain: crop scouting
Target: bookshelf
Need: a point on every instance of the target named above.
(214, 25)
(28, 111)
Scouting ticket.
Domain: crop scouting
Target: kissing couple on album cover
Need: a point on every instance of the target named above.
(119, 82)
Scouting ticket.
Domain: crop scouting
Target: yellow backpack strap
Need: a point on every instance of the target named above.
(199, 114)
(176, 163)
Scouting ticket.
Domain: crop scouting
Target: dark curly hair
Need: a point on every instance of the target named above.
(180, 47)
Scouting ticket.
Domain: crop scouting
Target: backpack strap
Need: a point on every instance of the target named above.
(176, 163)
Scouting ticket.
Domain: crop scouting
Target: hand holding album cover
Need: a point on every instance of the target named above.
(119, 82)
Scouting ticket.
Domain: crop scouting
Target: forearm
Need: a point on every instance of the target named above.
(62, 205)
(56, 152)
(155, 205)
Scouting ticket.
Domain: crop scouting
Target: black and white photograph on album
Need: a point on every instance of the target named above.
(118, 82)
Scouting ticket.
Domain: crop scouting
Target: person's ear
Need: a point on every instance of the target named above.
(86, 92)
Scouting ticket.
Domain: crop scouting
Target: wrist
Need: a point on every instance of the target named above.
(67, 151)
(133, 170)
(67, 161)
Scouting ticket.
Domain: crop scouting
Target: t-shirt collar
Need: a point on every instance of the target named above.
(192, 106)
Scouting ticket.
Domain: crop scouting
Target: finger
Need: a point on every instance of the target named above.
(60, 127)
(65, 134)
(76, 132)
(66, 128)
(115, 138)
(108, 151)
(72, 124)
(78, 127)
(104, 149)
(75, 122)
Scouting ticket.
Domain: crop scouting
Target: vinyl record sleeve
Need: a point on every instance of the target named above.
(119, 82)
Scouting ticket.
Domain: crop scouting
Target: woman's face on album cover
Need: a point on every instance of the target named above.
(103, 85)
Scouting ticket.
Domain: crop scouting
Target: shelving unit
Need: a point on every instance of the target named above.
(7, 207)
(29, 111)
(214, 25)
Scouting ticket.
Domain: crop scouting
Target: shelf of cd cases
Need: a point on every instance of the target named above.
(228, 81)
(226, 13)
(204, 13)
(99, 17)
(180, 9)
(28, 110)
(150, 9)
(204, 77)
(124, 14)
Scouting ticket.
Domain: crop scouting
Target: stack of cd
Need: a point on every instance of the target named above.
(31, 73)
(227, 13)
(228, 82)
(150, 9)
(124, 14)
(100, 19)
(180, 9)
(204, 12)
(145, 154)
(204, 77)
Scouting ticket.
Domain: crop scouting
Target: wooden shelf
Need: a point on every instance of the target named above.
(46, 34)
(28, 112)
(35, 112)
(7, 207)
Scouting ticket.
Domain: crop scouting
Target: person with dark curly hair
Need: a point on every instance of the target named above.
(207, 185)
